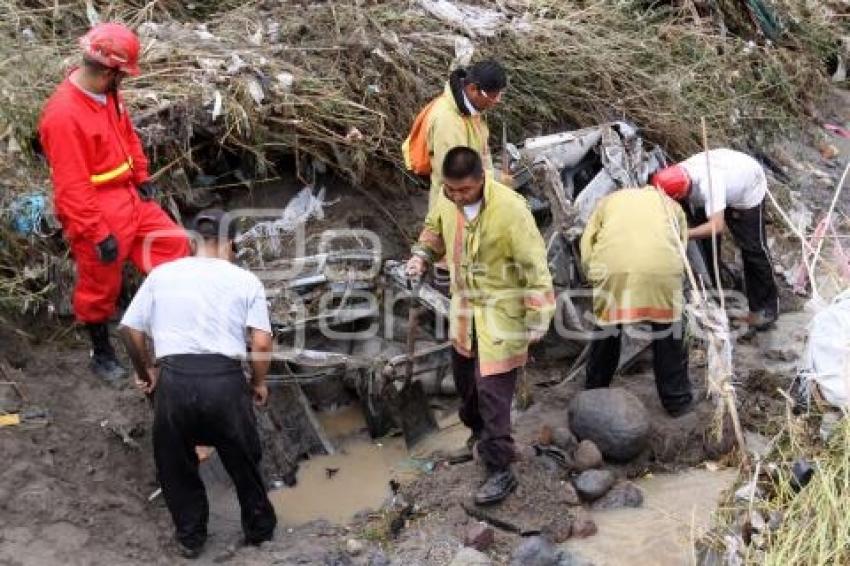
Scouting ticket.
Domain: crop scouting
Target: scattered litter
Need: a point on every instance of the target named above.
(27, 212)
(121, 432)
(302, 207)
(10, 419)
(464, 50)
(217, 106)
(748, 492)
(285, 80)
(829, 423)
(827, 355)
(30, 416)
(837, 130)
(801, 474)
(473, 20)
(255, 89)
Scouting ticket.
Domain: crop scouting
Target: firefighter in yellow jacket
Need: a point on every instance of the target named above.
(501, 300)
(455, 118)
(630, 253)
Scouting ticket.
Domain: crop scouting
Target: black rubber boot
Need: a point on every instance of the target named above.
(104, 362)
(498, 486)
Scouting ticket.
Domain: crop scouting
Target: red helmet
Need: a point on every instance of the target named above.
(672, 180)
(114, 46)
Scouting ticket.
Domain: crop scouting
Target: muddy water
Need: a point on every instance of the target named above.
(357, 477)
(677, 509)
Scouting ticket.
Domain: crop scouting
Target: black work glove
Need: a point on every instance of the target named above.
(107, 249)
(147, 190)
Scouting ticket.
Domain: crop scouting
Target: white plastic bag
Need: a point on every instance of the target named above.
(826, 360)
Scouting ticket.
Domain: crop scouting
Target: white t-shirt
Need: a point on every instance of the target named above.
(199, 305)
(737, 180)
(470, 211)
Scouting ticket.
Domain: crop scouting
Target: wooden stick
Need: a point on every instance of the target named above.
(715, 252)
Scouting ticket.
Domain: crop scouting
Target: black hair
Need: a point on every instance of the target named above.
(96, 66)
(208, 224)
(489, 75)
(462, 162)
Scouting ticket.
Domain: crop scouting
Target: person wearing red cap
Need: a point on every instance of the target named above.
(734, 197)
(102, 192)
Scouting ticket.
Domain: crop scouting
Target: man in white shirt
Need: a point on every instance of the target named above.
(198, 312)
(734, 198)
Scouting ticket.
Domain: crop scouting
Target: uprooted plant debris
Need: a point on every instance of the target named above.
(227, 87)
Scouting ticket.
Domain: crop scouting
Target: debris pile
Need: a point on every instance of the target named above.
(228, 88)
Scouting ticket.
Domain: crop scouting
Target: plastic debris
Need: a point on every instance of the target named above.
(302, 207)
(27, 212)
(827, 354)
(473, 20)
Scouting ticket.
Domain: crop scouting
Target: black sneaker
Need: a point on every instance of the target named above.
(108, 369)
(496, 488)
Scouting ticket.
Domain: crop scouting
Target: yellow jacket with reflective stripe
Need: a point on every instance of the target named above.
(630, 255)
(500, 281)
(448, 128)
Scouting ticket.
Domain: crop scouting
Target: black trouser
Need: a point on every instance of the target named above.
(669, 361)
(748, 231)
(204, 399)
(486, 409)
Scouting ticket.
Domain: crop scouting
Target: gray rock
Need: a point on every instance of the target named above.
(614, 419)
(468, 556)
(540, 551)
(570, 494)
(354, 547)
(535, 551)
(563, 438)
(583, 525)
(572, 558)
(378, 558)
(587, 456)
(593, 484)
(623, 494)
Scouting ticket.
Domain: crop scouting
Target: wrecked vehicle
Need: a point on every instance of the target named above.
(342, 322)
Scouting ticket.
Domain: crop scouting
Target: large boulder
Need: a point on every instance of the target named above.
(613, 419)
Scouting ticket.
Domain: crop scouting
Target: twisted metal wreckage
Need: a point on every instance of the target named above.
(342, 317)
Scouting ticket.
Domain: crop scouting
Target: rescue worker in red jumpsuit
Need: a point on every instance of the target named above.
(102, 192)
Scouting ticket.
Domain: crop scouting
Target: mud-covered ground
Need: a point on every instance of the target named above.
(77, 489)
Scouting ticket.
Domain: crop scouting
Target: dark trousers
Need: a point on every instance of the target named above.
(204, 400)
(748, 232)
(669, 361)
(486, 409)
(747, 228)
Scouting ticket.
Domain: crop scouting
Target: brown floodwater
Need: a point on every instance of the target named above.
(337, 486)
(677, 509)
